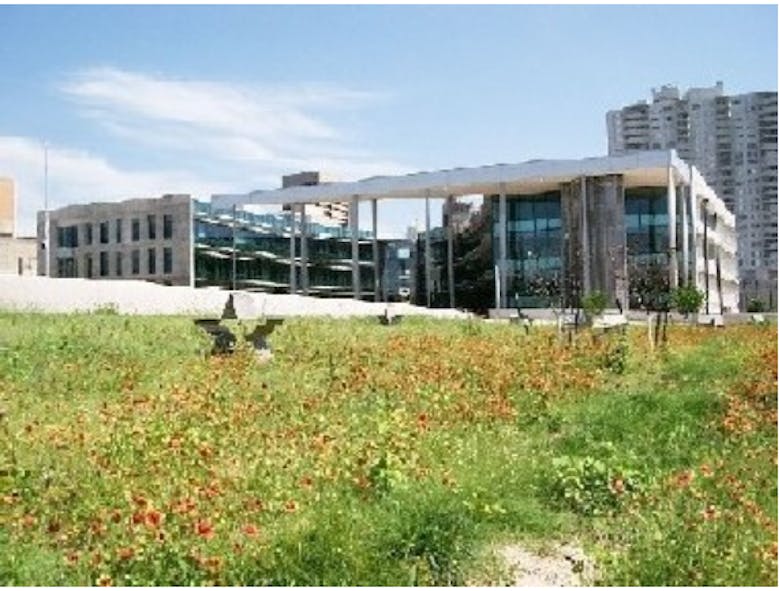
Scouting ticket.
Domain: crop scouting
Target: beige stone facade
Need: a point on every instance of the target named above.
(7, 207)
(147, 239)
(18, 256)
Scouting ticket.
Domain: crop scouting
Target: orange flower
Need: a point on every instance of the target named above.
(684, 479)
(251, 530)
(204, 529)
(105, 581)
(306, 482)
(153, 519)
(125, 553)
(290, 506)
(706, 471)
(710, 513)
(617, 486)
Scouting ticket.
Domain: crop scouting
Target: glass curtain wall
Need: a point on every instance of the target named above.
(534, 248)
(646, 226)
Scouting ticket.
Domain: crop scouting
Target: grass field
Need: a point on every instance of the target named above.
(370, 455)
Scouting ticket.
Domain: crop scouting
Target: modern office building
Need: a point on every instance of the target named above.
(732, 140)
(565, 228)
(175, 240)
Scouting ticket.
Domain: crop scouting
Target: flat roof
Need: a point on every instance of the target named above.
(648, 168)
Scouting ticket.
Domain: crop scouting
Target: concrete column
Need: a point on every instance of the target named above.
(376, 276)
(673, 263)
(450, 250)
(292, 255)
(428, 254)
(234, 261)
(502, 246)
(585, 237)
(354, 221)
(303, 249)
(686, 201)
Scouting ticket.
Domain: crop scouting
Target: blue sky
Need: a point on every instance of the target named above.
(141, 100)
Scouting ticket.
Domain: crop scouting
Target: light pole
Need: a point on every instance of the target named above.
(46, 237)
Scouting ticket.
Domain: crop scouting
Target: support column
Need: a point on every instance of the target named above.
(303, 249)
(450, 250)
(376, 275)
(292, 255)
(585, 237)
(673, 263)
(686, 201)
(234, 262)
(354, 221)
(502, 246)
(428, 254)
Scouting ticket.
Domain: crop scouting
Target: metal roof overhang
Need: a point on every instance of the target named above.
(535, 176)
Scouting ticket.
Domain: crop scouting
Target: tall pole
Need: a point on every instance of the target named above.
(46, 217)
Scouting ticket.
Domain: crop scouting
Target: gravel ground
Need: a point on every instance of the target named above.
(565, 566)
(42, 294)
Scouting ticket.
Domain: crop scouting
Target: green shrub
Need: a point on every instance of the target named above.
(594, 304)
(687, 299)
(591, 486)
(756, 306)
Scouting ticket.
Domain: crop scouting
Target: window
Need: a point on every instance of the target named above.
(103, 264)
(67, 236)
(118, 231)
(151, 221)
(88, 234)
(167, 226)
(136, 229)
(118, 264)
(88, 265)
(167, 260)
(152, 269)
(135, 261)
(103, 232)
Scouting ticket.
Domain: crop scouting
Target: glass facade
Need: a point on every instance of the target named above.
(534, 248)
(262, 243)
(646, 224)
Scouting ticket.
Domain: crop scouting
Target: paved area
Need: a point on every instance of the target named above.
(42, 294)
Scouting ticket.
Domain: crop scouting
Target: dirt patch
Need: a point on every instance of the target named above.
(562, 566)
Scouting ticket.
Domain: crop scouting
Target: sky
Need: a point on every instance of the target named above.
(138, 101)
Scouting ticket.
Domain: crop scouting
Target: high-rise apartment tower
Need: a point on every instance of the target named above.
(732, 140)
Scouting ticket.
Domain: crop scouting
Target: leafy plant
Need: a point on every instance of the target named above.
(687, 299)
(592, 486)
(594, 304)
(756, 306)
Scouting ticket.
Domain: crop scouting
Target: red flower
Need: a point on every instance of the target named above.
(153, 519)
(125, 553)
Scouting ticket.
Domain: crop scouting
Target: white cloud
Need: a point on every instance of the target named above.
(218, 136)
(76, 176)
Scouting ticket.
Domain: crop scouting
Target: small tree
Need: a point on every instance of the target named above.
(594, 304)
(687, 299)
(755, 306)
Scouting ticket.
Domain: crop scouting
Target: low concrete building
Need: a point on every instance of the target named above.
(148, 239)
(18, 256)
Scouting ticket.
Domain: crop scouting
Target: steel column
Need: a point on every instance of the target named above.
(428, 257)
(673, 263)
(292, 255)
(354, 221)
(303, 249)
(376, 275)
(450, 250)
(585, 239)
(502, 246)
